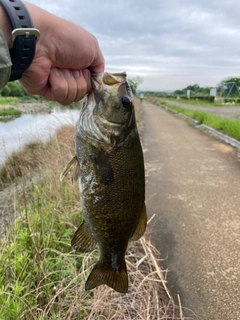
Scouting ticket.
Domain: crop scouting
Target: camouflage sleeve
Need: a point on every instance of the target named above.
(5, 61)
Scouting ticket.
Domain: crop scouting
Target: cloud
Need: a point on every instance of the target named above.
(170, 44)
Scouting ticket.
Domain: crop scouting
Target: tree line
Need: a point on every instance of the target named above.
(196, 89)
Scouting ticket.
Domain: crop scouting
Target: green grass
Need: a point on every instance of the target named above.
(203, 103)
(230, 127)
(36, 260)
(15, 100)
(10, 112)
(8, 100)
(217, 103)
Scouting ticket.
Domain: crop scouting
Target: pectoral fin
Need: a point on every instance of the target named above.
(71, 167)
(141, 227)
(103, 167)
(82, 240)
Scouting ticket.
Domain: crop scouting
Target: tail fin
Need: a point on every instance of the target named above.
(116, 279)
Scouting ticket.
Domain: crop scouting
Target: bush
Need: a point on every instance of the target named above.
(13, 89)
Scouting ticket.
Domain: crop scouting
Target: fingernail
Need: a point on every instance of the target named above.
(55, 71)
(76, 73)
(67, 73)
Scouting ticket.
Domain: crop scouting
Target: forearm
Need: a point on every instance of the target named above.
(5, 26)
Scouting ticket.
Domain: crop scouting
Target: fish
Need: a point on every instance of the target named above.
(109, 165)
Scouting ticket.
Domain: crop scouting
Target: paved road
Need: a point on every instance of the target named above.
(223, 112)
(193, 187)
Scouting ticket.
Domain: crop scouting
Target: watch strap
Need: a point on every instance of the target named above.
(24, 39)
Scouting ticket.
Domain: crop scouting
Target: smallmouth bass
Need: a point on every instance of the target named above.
(110, 168)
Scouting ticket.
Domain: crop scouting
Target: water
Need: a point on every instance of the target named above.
(31, 127)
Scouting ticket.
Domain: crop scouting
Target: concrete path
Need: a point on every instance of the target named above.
(193, 187)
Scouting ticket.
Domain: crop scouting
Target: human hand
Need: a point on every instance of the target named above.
(65, 56)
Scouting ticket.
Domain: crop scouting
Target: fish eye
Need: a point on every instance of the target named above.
(126, 101)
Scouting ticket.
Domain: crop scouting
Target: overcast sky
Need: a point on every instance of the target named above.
(169, 43)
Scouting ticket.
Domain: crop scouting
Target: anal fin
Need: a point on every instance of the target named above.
(141, 227)
(82, 240)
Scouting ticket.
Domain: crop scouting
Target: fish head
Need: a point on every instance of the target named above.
(114, 109)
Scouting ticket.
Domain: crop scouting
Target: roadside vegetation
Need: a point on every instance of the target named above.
(230, 127)
(196, 102)
(41, 277)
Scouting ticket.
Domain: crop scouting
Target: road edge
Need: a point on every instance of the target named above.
(221, 136)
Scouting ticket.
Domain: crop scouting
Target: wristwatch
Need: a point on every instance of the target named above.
(24, 37)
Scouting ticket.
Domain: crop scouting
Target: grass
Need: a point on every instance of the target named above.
(8, 100)
(21, 162)
(41, 277)
(202, 103)
(14, 100)
(9, 112)
(230, 127)
(217, 103)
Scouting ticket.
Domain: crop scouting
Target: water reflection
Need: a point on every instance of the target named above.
(30, 127)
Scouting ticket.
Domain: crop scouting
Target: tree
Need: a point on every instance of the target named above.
(134, 83)
(194, 88)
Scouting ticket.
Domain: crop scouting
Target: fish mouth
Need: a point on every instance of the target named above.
(110, 122)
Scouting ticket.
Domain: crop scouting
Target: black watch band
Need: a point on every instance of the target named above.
(24, 37)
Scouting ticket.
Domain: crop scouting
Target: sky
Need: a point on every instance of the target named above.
(170, 44)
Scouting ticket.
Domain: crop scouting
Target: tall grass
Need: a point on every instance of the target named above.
(41, 277)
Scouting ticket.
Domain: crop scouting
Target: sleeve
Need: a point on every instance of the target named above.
(5, 61)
